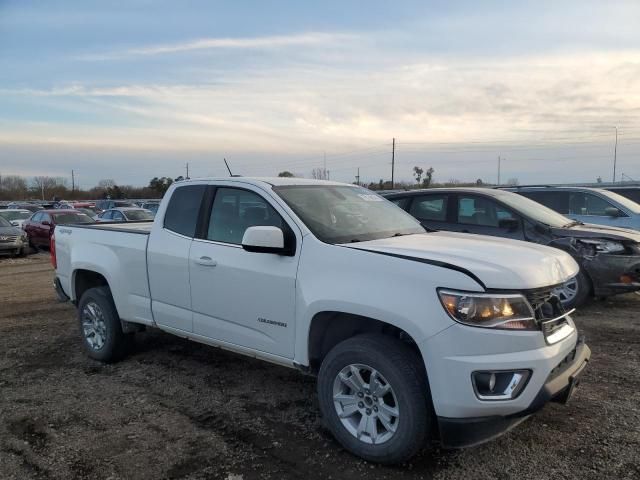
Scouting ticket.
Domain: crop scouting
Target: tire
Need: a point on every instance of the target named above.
(581, 291)
(397, 367)
(100, 326)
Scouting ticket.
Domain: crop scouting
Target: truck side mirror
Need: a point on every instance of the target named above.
(264, 239)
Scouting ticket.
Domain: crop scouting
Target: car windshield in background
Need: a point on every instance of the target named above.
(4, 223)
(15, 215)
(342, 214)
(534, 210)
(138, 215)
(69, 218)
(624, 201)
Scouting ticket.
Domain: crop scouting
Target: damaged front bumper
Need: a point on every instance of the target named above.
(612, 274)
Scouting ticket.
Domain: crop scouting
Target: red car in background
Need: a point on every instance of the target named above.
(40, 226)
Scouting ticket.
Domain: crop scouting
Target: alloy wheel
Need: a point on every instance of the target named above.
(94, 326)
(366, 404)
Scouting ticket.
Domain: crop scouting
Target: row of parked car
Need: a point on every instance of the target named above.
(599, 228)
(25, 225)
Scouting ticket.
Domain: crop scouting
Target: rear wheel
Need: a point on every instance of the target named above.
(374, 398)
(575, 291)
(100, 326)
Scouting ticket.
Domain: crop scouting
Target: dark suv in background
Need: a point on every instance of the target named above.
(609, 257)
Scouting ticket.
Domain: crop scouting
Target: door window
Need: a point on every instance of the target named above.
(430, 207)
(108, 215)
(117, 216)
(46, 218)
(234, 211)
(558, 201)
(581, 203)
(482, 211)
(37, 218)
(182, 212)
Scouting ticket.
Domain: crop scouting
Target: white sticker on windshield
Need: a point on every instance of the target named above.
(370, 198)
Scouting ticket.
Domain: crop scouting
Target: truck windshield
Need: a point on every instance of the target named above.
(343, 214)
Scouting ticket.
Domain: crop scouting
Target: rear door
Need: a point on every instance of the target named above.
(240, 297)
(168, 258)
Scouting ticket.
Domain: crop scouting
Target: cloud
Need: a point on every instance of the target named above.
(246, 43)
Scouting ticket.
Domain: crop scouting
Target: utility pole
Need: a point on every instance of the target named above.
(187, 171)
(615, 154)
(324, 167)
(393, 163)
(499, 161)
(358, 177)
(73, 182)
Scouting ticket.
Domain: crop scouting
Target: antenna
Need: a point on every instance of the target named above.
(225, 162)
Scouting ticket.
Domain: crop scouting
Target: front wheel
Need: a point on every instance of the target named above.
(575, 291)
(100, 326)
(374, 398)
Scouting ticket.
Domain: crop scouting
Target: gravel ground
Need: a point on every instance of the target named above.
(176, 409)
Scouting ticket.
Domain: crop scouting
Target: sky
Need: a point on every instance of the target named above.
(129, 90)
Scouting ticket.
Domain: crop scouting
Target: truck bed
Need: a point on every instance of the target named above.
(118, 252)
(142, 228)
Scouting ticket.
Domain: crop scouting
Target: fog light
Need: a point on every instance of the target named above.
(499, 385)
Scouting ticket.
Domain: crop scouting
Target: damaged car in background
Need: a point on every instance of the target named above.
(609, 257)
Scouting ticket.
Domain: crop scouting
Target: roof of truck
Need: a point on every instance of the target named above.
(275, 181)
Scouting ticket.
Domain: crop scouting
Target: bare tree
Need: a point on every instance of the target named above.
(320, 174)
(513, 181)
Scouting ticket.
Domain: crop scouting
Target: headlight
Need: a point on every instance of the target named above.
(489, 310)
(604, 246)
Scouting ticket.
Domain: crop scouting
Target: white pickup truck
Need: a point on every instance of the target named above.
(413, 335)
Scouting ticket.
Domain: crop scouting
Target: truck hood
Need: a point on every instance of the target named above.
(497, 262)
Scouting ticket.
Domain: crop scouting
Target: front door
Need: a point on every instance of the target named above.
(485, 216)
(240, 297)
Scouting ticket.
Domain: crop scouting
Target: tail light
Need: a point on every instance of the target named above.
(52, 250)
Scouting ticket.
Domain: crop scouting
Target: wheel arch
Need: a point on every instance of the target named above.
(329, 328)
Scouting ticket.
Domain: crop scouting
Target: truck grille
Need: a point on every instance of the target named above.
(540, 298)
(8, 238)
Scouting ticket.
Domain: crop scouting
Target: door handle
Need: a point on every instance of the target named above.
(206, 261)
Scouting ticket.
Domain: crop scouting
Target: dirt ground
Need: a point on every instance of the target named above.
(176, 409)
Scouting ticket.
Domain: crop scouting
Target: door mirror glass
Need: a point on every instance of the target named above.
(263, 239)
(612, 212)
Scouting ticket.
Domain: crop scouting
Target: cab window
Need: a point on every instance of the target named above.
(182, 212)
(234, 211)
